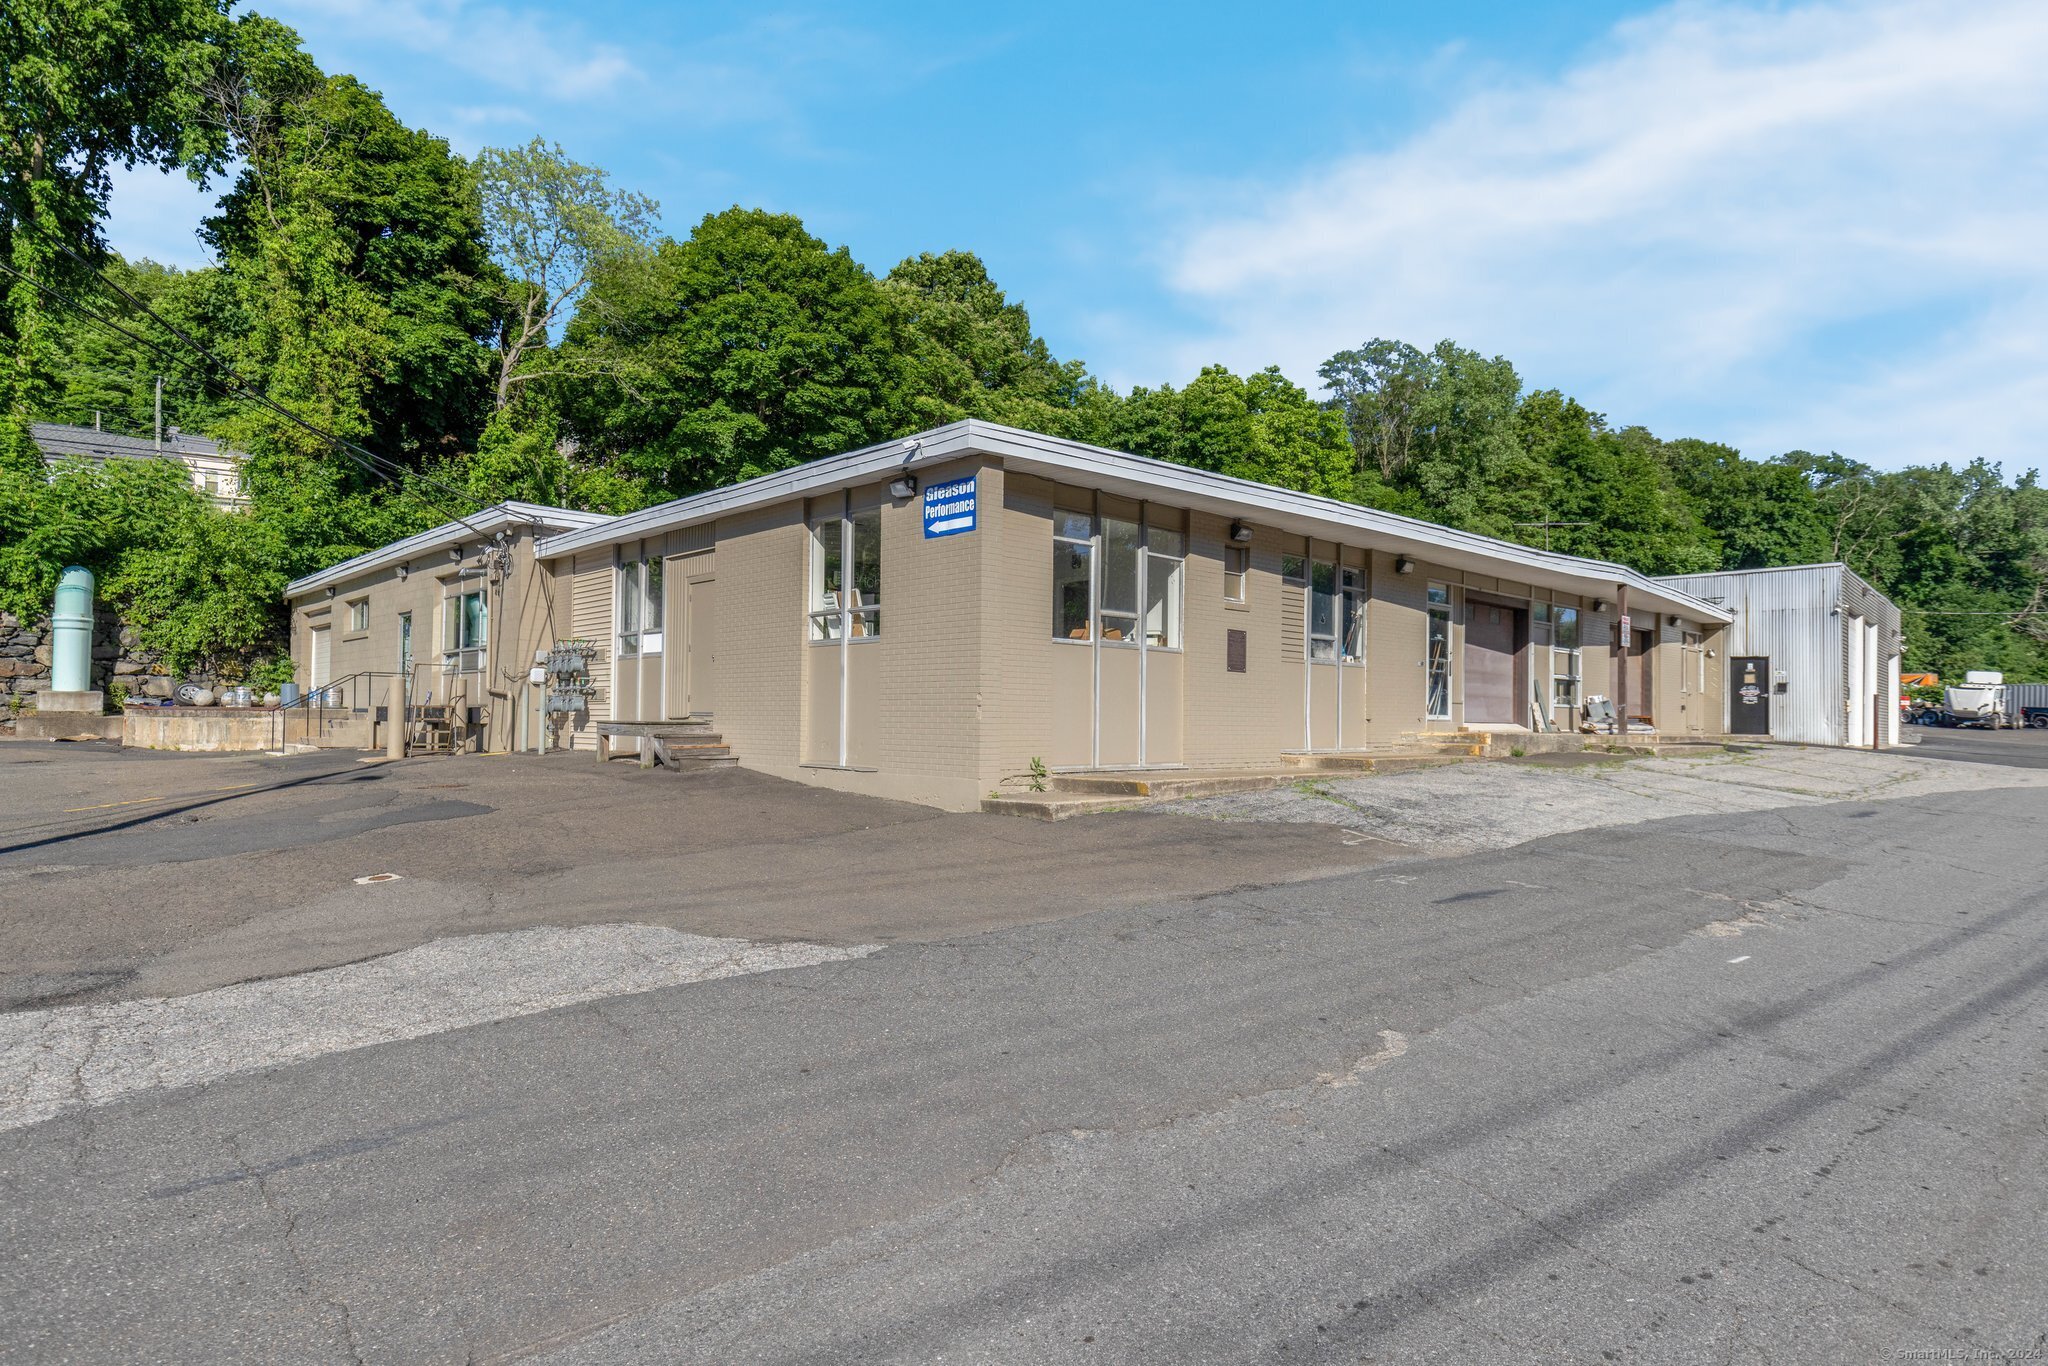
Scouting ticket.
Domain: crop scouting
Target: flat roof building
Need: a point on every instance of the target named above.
(931, 617)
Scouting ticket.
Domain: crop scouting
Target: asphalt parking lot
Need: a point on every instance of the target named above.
(2010, 748)
(201, 870)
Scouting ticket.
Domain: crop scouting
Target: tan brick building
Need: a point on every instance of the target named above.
(925, 618)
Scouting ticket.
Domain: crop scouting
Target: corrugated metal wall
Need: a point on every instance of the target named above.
(1788, 615)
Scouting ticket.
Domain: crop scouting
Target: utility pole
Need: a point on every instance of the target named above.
(159, 414)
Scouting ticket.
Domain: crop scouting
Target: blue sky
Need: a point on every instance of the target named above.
(1784, 226)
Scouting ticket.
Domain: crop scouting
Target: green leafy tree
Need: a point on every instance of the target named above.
(975, 354)
(551, 224)
(749, 348)
(86, 86)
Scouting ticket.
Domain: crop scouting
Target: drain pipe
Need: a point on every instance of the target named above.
(71, 645)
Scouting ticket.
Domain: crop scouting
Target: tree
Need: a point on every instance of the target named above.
(84, 86)
(101, 376)
(1380, 388)
(551, 225)
(749, 348)
(1261, 427)
(976, 355)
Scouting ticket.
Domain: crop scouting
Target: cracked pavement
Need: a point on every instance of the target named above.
(1733, 1086)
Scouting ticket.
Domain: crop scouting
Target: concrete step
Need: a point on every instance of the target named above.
(1375, 763)
(1055, 806)
(1160, 785)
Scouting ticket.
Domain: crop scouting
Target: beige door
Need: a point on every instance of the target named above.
(700, 635)
(321, 664)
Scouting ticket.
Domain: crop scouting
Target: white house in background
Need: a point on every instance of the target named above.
(215, 470)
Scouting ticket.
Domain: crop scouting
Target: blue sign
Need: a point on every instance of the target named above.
(949, 508)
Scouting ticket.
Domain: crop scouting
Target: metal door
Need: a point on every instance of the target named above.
(1492, 690)
(1749, 695)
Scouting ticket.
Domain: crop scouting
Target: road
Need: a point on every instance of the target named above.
(1742, 1087)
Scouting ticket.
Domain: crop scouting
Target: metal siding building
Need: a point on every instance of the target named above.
(1832, 642)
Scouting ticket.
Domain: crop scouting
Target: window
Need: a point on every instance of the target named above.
(359, 615)
(1122, 561)
(1563, 625)
(1322, 612)
(640, 619)
(846, 590)
(1351, 642)
(465, 623)
(1073, 562)
(1294, 569)
(1165, 555)
(1438, 661)
(1237, 563)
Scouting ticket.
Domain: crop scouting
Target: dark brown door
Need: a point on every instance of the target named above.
(1490, 664)
(1639, 675)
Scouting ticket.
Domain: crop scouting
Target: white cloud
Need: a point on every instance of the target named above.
(1727, 212)
(518, 50)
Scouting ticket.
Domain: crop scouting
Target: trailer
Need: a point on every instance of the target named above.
(1985, 700)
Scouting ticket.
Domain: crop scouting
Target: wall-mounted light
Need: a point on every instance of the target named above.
(1599, 604)
(330, 590)
(403, 570)
(903, 486)
(1404, 565)
(1671, 620)
(455, 552)
(1240, 533)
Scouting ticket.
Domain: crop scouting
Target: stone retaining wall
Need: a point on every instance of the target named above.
(116, 658)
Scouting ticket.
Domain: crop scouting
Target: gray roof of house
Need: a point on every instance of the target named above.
(498, 517)
(58, 441)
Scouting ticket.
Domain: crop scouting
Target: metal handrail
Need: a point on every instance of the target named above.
(303, 705)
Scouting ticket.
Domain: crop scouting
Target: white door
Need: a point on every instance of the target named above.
(322, 659)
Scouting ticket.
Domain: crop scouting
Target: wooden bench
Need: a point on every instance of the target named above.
(656, 738)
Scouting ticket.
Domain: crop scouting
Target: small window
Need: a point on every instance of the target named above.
(1073, 563)
(1351, 641)
(640, 607)
(1237, 563)
(846, 577)
(1163, 564)
(1294, 568)
(1564, 659)
(1122, 559)
(465, 630)
(1322, 612)
(359, 615)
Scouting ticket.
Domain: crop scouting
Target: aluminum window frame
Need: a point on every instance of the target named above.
(1436, 675)
(832, 616)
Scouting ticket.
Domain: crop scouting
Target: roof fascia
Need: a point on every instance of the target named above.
(491, 519)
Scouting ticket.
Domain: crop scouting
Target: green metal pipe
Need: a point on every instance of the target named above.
(71, 632)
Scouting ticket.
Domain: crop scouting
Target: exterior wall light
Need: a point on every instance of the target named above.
(1671, 620)
(1404, 565)
(1599, 604)
(455, 552)
(403, 570)
(330, 590)
(1240, 533)
(903, 486)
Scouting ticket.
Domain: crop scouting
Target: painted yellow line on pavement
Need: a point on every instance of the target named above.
(138, 801)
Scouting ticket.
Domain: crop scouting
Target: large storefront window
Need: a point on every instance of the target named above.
(1439, 658)
(1099, 583)
(640, 608)
(465, 631)
(846, 588)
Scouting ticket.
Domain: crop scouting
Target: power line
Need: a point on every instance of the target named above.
(250, 391)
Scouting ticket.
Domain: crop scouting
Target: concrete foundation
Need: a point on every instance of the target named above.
(91, 702)
(66, 725)
(201, 729)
